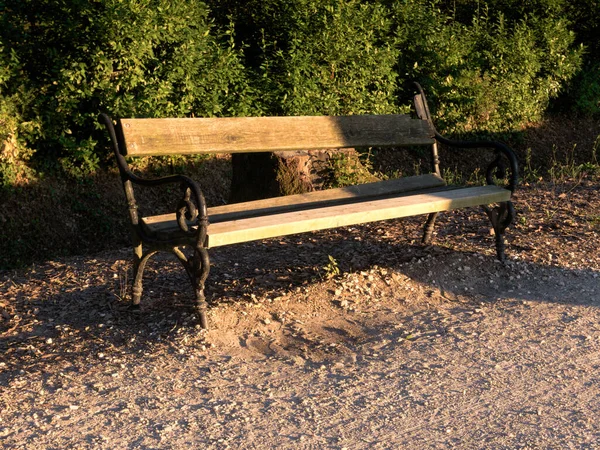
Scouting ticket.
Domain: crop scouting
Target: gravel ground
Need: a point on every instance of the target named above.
(388, 345)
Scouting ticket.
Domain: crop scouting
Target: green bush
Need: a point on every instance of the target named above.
(14, 152)
(490, 75)
(125, 57)
(581, 17)
(488, 66)
(587, 92)
(316, 57)
(338, 60)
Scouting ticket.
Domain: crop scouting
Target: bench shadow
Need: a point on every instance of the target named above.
(264, 268)
(75, 323)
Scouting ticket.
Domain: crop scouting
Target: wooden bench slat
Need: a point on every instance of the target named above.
(284, 223)
(329, 197)
(147, 137)
(244, 230)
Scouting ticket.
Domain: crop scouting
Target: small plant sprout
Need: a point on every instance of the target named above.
(331, 269)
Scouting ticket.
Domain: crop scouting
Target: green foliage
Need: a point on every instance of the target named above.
(347, 169)
(317, 56)
(587, 92)
(14, 152)
(125, 57)
(584, 16)
(337, 60)
(581, 17)
(530, 173)
(489, 66)
(570, 170)
(491, 75)
(331, 269)
(456, 176)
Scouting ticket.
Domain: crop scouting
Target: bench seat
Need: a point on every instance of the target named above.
(280, 216)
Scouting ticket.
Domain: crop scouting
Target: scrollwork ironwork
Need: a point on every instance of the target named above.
(186, 210)
(504, 154)
(192, 218)
(496, 169)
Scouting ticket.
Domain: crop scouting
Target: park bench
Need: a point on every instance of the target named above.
(196, 227)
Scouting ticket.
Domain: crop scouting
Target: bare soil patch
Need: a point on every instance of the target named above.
(435, 347)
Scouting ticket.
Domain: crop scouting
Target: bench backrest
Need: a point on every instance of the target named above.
(154, 137)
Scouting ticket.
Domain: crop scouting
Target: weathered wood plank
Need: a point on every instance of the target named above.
(328, 197)
(309, 200)
(147, 137)
(244, 230)
(252, 227)
(420, 107)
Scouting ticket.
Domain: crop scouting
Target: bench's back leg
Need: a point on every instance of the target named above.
(422, 111)
(138, 255)
(138, 269)
(428, 231)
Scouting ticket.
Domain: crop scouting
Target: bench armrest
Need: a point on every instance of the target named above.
(497, 167)
(191, 208)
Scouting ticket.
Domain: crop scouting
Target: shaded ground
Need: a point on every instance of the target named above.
(434, 347)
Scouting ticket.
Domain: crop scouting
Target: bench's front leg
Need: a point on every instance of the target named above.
(193, 208)
(197, 267)
(201, 268)
(501, 217)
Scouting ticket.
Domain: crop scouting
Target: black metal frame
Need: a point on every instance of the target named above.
(191, 217)
(502, 215)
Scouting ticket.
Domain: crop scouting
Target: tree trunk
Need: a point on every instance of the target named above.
(265, 175)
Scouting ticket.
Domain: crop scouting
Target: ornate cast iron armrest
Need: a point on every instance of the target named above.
(497, 167)
(192, 207)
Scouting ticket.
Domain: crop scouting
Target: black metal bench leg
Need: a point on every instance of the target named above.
(197, 268)
(429, 226)
(138, 269)
(501, 217)
(201, 269)
(500, 254)
(201, 307)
